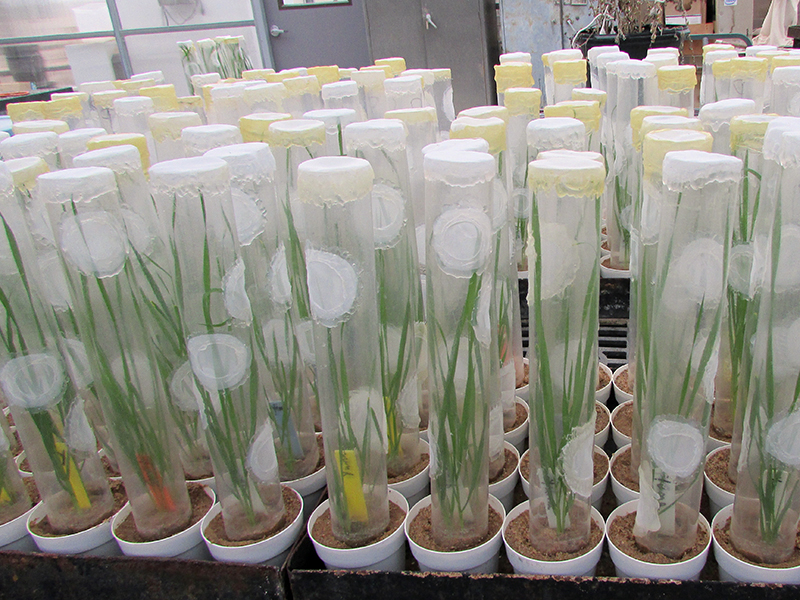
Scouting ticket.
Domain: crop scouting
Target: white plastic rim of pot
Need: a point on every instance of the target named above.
(206, 481)
(182, 544)
(18, 461)
(580, 566)
(627, 566)
(524, 392)
(606, 272)
(621, 493)
(517, 436)
(111, 478)
(310, 488)
(526, 485)
(423, 435)
(604, 392)
(388, 554)
(619, 394)
(271, 551)
(736, 569)
(718, 498)
(417, 487)
(480, 559)
(95, 541)
(503, 490)
(601, 437)
(522, 275)
(713, 443)
(620, 439)
(599, 488)
(14, 533)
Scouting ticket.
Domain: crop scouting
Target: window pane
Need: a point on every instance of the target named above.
(58, 64)
(157, 13)
(46, 17)
(160, 52)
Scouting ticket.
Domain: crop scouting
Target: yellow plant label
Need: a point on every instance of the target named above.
(347, 462)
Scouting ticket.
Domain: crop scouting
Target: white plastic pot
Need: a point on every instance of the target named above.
(735, 569)
(627, 566)
(95, 541)
(606, 272)
(14, 533)
(604, 392)
(599, 488)
(524, 392)
(272, 551)
(601, 437)
(619, 394)
(480, 559)
(580, 566)
(517, 436)
(621, 493)
(503, 490)
(713, 443)
(718, 498)
(388, 554)
(417, 487)
(184, 544)
(620, 439)
(18, 461)
(310, 488)
(205, 481)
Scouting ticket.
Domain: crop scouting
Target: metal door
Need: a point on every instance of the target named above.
(307, 33)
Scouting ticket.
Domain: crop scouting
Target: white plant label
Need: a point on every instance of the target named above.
(35, 381)
(332, 287)
(461, 240)
(95, 243)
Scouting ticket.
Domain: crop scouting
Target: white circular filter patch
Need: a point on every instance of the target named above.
(787, 274)
(138, 232)
(235, 295)
(95, 243)
(676, 447)
(332, 287)
(560, 259)
(249, 218)
(577, 461)
(388, 215)
(280, 288)
(462, 241)
(783, 439)
(262, 461)
(219, 361)
(183, 389)
(696, 276)
(740, 266)
(35, 381)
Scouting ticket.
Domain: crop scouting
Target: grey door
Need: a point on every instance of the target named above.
(307, 33)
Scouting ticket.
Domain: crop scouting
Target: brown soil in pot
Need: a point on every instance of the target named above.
(201, 504)
(110, 470)
(519, 417)
(601, 420)
(623, 381)
(44, 529)
(518, 537)
(526, 378)
(602, 379)
(621, 470)
(716, 432)
(599, 463)
(620, 532)
(421, 531)
(215, 532)
(723, 535)
(33, 491)
(623, 420)
(717, 470)
(322, 531)
(508, 466)
(424, 461)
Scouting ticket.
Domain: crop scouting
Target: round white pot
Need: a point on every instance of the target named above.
(627, 566)
(517, 436)
(95, 541)
(524, 392)
(606, 272)
(580, 566)
(503, 490)
(206, 481)
(619, 394)
(735, 569)
(388, 554)
(423, 435)
(481, 559)
(598, 489)
(417, 487)
(184, 544)
(14, 533)
(601, 437)
(718, 498)
(272, 551)
(310, 488)
(621, 493)
(18, 461)
(526, 485)
(713, 443)
(620, 439)
(604, 392)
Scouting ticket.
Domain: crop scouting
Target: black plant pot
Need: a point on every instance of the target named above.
(637, 44)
